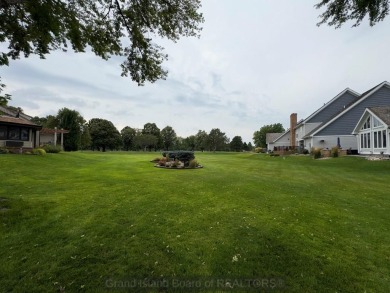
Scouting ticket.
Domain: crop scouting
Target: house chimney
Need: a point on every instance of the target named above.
(293, 124)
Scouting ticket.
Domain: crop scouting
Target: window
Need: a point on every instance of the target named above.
(376, 122)
(24, 134)
(361, 141)
(3, 132)
(14, 133)
(368, 140)
(380, 139)
(366, 124)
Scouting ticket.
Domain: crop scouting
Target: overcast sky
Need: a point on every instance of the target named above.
(255, 63)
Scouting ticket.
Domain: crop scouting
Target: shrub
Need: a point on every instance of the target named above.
(334, 152)
(258, 150)
(49, 148)
(4, 150)
(274, 155)
(39, 151)
(193, 164)
(175, 163)
(305, 152)
(184, 156)
(162, 161)
(316, 152)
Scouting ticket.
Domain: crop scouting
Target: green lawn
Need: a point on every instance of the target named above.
(87, 221)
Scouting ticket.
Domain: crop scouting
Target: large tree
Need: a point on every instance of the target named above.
(128, 135)
(104, 134)
(259, 137)
(189, 143)
(107, 27)
(85, 138)
(146, 141)
(201, 140)
(236, 144)
(168, 137)
(70, 120)
(217, 139)
(49, 121)
(152, 129)
(340, 11)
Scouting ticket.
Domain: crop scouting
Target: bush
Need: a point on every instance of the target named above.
(162, 161)
(305, 152)
(40, 152)
(49, 148)
(4, 150)
(274, 155)
(175, 164)
(184, 156)
(316, 152)
(334, 152)
(193, 164)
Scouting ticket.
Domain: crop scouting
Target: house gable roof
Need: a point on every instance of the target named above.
(13, 121)
(7, 111)
(383, 113)
(270, 137)
(332, 102)
(360, 99)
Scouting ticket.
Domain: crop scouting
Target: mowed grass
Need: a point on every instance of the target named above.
(76, 220)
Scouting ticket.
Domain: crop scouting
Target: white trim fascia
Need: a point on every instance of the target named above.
(352, 106)
(367, 110)
(359, 122)
(331, 101)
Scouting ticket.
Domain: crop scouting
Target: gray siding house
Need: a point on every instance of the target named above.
(340, 127)
(335, 122)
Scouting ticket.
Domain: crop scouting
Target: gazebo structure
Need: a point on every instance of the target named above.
(50, 136)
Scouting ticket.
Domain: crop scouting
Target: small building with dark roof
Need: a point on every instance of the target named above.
(18, 134)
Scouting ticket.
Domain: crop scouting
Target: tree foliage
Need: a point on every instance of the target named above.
(259, 137)
(217, 139)
(201, 140)
(85, 140)
(108, 27)
(236, 144)
(146, 141)
(49, 121)
(4, 98)
(168, 137)
(128, 135)
(189, 143)
(340, 11)
(70, 120)
(104, 134)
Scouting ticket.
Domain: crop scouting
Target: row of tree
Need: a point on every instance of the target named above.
(101, 134)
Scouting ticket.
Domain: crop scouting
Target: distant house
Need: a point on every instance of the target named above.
(17, 132)
(269, 138)
(334, 123)
(372, 131)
